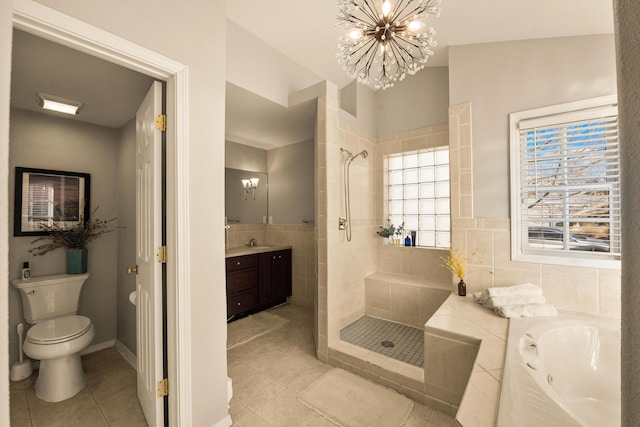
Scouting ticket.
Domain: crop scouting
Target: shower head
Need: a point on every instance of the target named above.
(363, 153)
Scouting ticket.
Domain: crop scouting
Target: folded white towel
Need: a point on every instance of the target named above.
(526, 310)
(513, 299)
(480, 297)
(523, 289)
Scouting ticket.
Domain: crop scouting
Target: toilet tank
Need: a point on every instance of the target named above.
(46, 297)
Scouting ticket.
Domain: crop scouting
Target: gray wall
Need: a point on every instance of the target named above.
(244, 157)
(290, 172)
(126, 312)
(418, 101)
(43, 141)
(291, 183)
(501, 78)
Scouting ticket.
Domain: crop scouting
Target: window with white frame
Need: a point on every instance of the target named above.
(565, 192)
(418, 195)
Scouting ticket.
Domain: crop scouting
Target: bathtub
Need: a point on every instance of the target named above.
(561, 371)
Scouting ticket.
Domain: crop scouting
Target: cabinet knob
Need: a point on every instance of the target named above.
(238, 304)
(238, 263)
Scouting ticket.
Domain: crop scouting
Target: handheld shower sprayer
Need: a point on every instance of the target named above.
(345, 223)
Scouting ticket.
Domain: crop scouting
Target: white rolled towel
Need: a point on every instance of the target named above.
(526, 310)
(514, 299)
(522, 289)
(480, 297)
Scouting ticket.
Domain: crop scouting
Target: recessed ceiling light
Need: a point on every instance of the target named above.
(55, 103)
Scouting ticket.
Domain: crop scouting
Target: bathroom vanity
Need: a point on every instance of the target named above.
(258, 277)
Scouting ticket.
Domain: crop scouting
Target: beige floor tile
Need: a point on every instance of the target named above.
(257, 391)
(285, 410)
(79, 411)
(239, 372)
(109, 398)
(419, 416)
(309, 377)
(441, 419)
(252, 421)
(238, 411)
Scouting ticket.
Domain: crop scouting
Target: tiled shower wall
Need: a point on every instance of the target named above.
(487, 245)
(300, 237)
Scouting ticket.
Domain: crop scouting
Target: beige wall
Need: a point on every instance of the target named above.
(191, 23)
(501, 78)
(46, 142)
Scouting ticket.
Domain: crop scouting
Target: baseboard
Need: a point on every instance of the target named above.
(127, 354)
(98, 347)
(225, 422)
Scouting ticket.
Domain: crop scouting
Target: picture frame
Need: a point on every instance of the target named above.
(44, 196)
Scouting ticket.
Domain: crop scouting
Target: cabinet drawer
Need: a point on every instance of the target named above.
(242, 280)
(241, 262)
(244, 301)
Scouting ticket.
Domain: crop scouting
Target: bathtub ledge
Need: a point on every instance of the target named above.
(462, 320)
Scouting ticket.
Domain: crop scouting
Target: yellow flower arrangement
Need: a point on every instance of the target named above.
(455, 263)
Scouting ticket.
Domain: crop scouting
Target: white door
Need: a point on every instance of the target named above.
(148, 241)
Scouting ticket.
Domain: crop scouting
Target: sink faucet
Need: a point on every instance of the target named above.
(252, 242)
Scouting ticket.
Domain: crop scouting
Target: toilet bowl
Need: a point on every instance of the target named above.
(58, 334)
(57, 343)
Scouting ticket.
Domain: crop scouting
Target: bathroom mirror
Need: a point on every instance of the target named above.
(246, 197)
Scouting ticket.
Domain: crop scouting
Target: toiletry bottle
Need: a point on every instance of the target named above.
(26, 271)
(407, 241)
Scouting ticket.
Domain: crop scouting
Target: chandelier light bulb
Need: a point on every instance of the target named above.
(415, 26)
(355, 34)
(386, 8)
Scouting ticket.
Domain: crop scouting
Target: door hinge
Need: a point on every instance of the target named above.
(161, 122)
(163, 387)
(162, 254)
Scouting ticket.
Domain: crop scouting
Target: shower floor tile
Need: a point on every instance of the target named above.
(370, 333)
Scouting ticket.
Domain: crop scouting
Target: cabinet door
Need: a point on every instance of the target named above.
(275, 276)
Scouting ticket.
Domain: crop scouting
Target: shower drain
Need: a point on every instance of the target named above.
(387, 344)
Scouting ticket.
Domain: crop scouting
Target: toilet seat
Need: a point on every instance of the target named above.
(58, 330)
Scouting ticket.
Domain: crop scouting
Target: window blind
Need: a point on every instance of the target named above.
(569, 183)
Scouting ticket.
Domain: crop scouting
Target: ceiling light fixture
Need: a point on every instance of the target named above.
(61, 105)
(385, 42)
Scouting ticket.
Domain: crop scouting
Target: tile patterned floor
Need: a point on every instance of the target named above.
(369, 332)
(109, 399)
(270, 371)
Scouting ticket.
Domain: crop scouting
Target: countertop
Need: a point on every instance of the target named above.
(461, 316)
(251, 250)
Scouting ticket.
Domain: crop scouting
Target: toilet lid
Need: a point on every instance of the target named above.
(56, 330)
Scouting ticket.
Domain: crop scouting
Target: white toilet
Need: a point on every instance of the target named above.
(50, 303)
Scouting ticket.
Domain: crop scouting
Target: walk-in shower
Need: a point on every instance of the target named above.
(345, 222)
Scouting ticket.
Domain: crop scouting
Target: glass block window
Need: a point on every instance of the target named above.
(418, 195)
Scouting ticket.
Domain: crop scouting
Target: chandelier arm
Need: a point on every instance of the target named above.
(373, 12)
(401, 48)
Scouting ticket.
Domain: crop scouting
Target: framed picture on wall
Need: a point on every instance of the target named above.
(45, 196)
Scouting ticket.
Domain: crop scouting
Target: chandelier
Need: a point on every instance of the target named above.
(385, 43)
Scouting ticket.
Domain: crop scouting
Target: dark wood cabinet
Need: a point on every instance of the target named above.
(275, 277)
(258, 281)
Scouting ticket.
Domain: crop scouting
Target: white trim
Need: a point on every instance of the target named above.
(47, 23)
(127, 354)
(225, 422)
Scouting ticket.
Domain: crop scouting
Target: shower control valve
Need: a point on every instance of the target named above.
(342, 223)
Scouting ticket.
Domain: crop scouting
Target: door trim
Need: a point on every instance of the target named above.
(52, 25)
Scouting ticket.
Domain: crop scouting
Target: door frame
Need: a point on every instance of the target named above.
(52, 25)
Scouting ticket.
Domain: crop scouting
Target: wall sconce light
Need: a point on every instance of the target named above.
(250, 185)
(61, 105)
